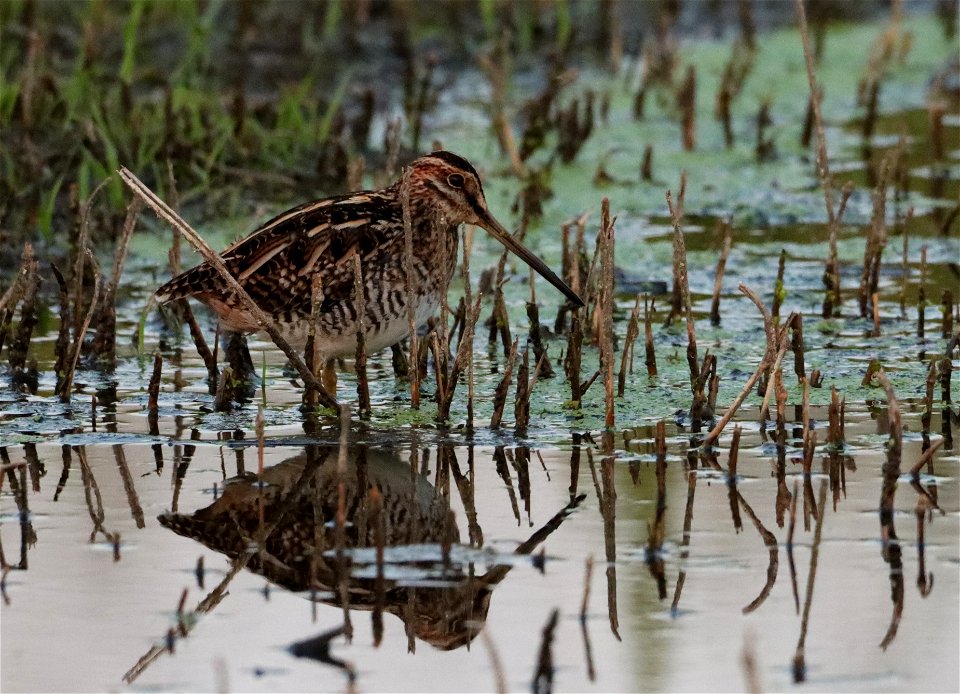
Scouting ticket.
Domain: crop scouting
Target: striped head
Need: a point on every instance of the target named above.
(449, 186)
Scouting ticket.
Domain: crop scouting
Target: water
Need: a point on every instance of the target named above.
(108, 614)
(489, 532)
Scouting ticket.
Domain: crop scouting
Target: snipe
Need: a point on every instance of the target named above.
(276, 263)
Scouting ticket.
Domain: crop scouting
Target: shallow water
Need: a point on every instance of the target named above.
(109, 613)
(76, 481)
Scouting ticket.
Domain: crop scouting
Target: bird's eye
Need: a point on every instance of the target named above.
(455, 180)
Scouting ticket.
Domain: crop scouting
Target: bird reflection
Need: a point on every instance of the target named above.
(287, 526)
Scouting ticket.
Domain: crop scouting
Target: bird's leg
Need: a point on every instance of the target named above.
(239, 359)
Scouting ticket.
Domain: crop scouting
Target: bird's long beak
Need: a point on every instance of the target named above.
(498, 232)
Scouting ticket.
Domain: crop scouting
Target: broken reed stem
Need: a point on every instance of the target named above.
(797, 346)
(71, 366)
(775, 372)
(462, 359)
(832, 275)
(823, 168)
(312, 354)
(262, 319)
(721, 267)
(922, 294)
(500, 395)
(633, 329)
(768, 358)
(905, 261)
(876, 240)
(209, 360)
(946, 325)
(650, 355)
(680, 268)
(259, 428)
(524, 389)
(832, 298)
(606, 308)
(467, 296)
(875, 298)
(81, 256)
(646, 165)
(24, 290)
(686, 102)
(536, 337)
(895, 445)
(779, 292)
(734, 455)
(153, 390)
(363, 388)
(925, 458)
(105, 343)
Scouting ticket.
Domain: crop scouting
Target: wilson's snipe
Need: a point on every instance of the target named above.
(276, 263)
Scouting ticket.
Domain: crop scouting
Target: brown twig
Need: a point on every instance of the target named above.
(721, 267)
(262, 319)
(768, 359)
(363, 389)
(606, 309)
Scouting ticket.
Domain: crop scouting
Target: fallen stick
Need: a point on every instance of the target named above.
(262, 319)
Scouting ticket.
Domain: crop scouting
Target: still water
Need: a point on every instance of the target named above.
(481, 539)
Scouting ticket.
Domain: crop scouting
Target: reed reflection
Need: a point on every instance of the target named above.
(425, 576)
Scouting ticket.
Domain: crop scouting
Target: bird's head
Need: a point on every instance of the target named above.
(451, 186)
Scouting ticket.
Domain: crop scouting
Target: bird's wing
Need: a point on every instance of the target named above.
(276, 263)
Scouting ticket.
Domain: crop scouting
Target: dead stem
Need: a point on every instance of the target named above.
(680, 279)
(66, 387)
(500, 395)
(779, 291)
(650, 354)
(153, 393)
(606, 303)
(105, 342)
(312, 357)
(263, 320)
(922, 293)
(462, 359)
(633, 330)
(721, 267)
(768, 359)
(925, 458)
(363, 389)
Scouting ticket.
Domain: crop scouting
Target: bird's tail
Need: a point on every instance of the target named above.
(186, 284)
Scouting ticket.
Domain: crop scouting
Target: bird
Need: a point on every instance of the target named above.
(276, 264)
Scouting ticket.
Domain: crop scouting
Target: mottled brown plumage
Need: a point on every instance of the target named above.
(277, 262)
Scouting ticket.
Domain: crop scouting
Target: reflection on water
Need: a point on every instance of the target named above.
(804, 544)
(303, 523)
